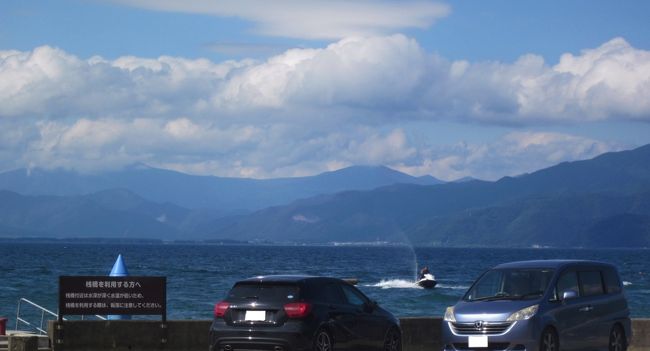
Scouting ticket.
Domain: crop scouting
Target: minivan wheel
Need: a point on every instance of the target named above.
(617, 339)
(549, 341)
(323, 341)
(393, 340)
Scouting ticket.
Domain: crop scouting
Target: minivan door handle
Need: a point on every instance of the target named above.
(586, 308)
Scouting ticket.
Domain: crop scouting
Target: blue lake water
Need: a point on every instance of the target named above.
(198, 276)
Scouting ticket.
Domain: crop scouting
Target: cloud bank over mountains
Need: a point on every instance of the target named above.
(310, 110)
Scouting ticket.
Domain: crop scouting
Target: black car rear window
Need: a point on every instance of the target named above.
(265, 291)
(327, 293)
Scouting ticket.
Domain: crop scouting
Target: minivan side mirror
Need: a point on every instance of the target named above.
(569, 294)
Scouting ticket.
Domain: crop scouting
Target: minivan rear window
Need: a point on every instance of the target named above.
(591, 283)
(265, 291)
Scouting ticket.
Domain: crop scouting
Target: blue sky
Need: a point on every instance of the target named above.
(256, 88)
(475, 30)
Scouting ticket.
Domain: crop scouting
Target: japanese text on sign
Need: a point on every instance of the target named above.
(82, 295)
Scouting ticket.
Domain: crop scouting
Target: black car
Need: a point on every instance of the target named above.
(292, 313)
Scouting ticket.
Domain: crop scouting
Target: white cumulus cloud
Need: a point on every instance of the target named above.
(379, 79)
(311, 110)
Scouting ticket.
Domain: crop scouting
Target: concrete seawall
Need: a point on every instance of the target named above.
(419, 334)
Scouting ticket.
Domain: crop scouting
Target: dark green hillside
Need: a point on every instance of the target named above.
(571, 204)
(633, 230)
(590, 220)
(85, 216)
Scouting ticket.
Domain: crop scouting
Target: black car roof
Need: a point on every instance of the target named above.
(283, 279)
(554, 264)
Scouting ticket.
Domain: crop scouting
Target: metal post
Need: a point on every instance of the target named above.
(18, 314)
(58, 334)
(42, 318)
(163, 327)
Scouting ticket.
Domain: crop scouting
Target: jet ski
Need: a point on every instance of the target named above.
(427, 282)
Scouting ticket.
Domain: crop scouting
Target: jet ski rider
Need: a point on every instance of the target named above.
(423, 271)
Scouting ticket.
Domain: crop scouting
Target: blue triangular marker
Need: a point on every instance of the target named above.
(119, 268)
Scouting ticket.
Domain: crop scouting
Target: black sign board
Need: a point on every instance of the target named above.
(88, 295)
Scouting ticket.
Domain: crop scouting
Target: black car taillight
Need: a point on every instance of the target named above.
(220, 309)
(297, 309)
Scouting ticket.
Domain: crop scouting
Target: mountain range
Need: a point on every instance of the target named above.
(146, 202)
(602, 202)
(204, 192)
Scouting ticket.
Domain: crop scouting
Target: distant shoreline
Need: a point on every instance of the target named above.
(226, 242)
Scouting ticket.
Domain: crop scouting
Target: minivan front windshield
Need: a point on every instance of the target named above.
(510, 284)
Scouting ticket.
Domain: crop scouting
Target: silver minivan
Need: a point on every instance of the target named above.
(547, 305)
